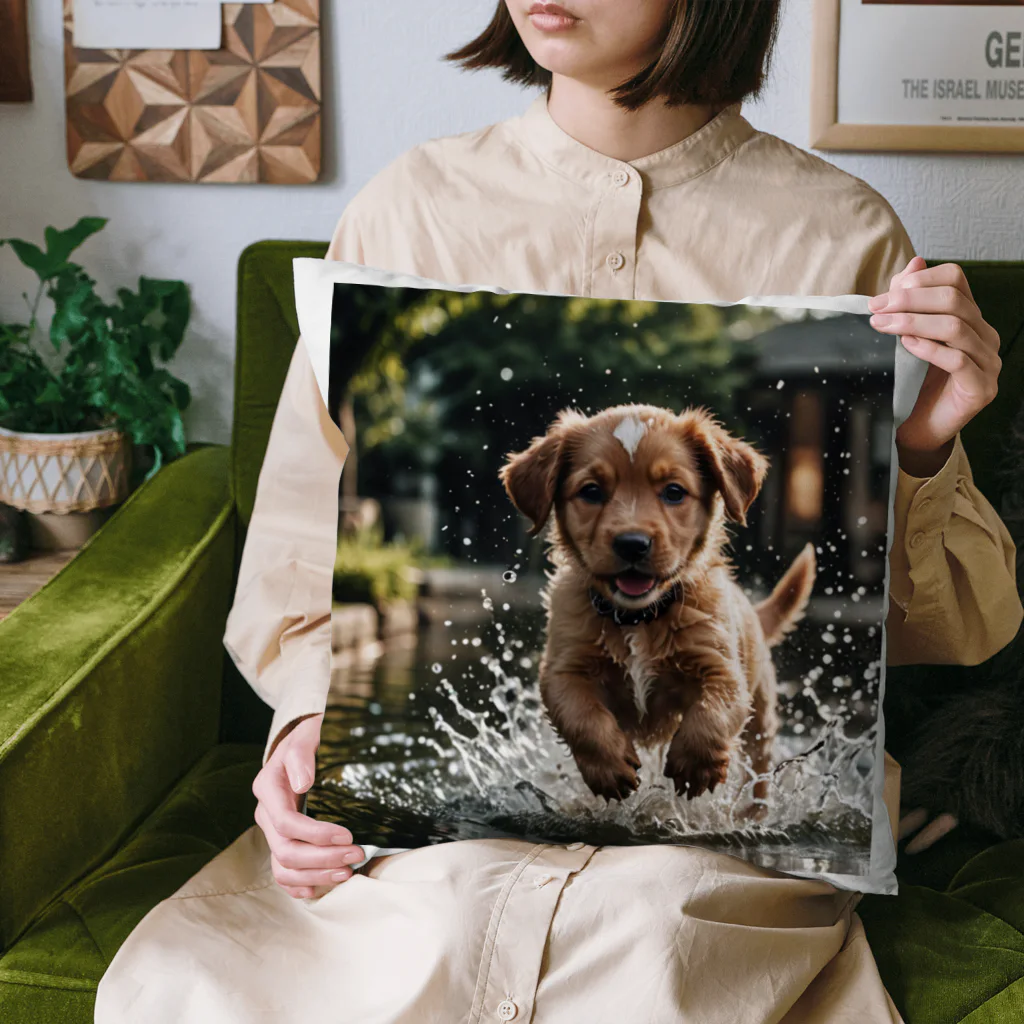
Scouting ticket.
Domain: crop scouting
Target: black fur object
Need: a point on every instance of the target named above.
(959, 732)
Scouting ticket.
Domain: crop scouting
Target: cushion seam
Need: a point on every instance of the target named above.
(88, 931)
(33, 979)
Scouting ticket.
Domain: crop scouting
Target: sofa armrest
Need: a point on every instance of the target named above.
(110, 680)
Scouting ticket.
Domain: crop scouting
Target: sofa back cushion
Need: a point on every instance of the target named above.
(266, 332)
(998, 288)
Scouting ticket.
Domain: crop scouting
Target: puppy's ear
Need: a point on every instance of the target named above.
(531, 478)
(737, 469)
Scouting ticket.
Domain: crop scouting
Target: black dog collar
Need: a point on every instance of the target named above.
(634, 617)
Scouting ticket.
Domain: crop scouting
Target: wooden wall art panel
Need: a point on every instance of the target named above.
(15, 77)
(249, 112)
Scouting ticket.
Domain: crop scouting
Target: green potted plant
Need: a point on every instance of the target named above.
(87, 416)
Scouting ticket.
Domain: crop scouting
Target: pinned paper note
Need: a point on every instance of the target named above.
(147, 24)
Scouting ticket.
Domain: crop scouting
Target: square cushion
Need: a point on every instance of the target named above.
(50, 974)
(950, 945)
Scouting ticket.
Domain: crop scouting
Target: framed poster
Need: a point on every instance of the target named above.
(918, 75)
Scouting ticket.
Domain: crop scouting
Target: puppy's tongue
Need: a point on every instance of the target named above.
(634, 586)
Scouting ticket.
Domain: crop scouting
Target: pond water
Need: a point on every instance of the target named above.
(440, 735)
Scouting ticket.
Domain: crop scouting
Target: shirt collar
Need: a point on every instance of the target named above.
(690, 157)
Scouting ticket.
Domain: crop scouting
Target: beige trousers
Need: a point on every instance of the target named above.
(497, 930)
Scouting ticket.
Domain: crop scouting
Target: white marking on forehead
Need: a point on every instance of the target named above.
(630, 432)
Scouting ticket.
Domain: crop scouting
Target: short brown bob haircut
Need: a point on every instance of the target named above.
(713, 52)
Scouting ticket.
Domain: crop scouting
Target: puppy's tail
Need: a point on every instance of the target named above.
(785, 606)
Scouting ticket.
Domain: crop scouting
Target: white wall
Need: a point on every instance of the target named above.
(385, 90)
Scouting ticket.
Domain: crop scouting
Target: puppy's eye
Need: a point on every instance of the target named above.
(673, 494)
(591, 494)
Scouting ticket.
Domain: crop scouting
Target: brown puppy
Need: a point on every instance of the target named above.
(649, 638)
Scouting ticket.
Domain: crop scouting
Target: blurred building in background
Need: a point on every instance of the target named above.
(821, 398)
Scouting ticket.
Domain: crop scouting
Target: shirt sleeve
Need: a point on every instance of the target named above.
(953, 591)
(952, 574)
(278, 631)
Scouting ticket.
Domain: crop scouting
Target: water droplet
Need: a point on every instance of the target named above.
(436, 668)
(508, 576)
(466, 541)
(506, 373)
(780, 385)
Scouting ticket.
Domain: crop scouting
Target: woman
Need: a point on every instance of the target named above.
(635, 176)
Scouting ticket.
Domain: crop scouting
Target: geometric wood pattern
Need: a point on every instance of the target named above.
(248, 112)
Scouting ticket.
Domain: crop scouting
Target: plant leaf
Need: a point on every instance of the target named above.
(60, 244)
(31, 255)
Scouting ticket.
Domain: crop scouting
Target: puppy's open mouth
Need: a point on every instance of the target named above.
(634, 584)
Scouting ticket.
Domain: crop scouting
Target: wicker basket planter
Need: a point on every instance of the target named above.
(63, 473)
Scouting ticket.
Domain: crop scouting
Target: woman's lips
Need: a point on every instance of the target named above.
(551, 18)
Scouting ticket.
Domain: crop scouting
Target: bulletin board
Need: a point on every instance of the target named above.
(249, 112)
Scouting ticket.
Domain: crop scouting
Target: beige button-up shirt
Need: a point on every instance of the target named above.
(497, 930)
(728, 212)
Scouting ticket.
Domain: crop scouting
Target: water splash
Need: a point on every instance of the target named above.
(501, 768)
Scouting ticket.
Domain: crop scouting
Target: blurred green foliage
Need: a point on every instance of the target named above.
(366, 569)
(502, 366)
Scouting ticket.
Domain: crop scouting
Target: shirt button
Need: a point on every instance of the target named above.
(917, 540)
(616, 260)
(620, 178)
(507, 1009)
(575, 846)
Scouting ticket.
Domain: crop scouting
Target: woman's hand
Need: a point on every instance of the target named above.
(304, 852)
(933, 311)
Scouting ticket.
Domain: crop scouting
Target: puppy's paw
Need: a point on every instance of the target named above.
(752, 812)
(696, 773)
(613, 776)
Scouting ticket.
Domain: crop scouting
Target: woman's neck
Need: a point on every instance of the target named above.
(591, 117)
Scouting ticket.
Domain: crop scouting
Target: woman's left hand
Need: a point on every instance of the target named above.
(935, 315)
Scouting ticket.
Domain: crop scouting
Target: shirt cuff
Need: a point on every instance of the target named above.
(922, 509)
(301, 685)
(298, 705)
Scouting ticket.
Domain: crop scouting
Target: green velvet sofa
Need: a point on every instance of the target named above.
(128, 742)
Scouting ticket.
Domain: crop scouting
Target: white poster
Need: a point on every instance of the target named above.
(908, 62)
(147, 25)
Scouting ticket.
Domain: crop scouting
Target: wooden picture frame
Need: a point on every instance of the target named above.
(15, 73)
(829, 133)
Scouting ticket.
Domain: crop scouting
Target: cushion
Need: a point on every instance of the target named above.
(267, 330)
(998, 288)
(50, 975)
(950, 946)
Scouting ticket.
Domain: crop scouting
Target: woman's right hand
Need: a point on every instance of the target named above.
(304, 852)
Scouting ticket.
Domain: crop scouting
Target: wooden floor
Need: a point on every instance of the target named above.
(22, 579)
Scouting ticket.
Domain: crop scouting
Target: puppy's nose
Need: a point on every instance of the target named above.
(631, 547)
